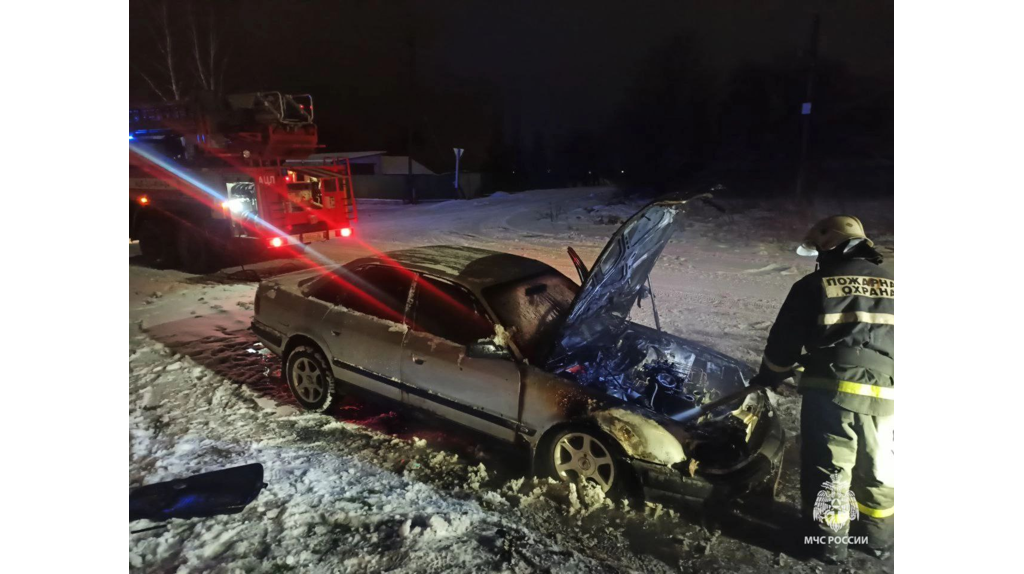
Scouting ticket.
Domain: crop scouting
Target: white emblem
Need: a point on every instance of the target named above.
(835, 506)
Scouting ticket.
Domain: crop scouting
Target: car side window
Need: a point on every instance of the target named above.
(330, 290)
(449, 312)
(374, 290)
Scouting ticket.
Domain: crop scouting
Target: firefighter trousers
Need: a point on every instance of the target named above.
(858, 450)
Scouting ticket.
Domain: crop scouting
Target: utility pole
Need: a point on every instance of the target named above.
(805, 108)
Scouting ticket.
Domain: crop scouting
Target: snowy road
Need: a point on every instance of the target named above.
(366, 488)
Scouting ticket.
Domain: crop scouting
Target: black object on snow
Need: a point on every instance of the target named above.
(225, 491)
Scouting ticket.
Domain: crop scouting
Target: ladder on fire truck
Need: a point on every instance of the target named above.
(254, 125)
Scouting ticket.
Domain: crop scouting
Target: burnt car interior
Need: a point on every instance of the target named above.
(532, 310)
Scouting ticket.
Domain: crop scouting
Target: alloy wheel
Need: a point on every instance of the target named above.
(579, 455)
(307, 380)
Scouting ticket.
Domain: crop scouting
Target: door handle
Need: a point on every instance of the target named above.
(335, 333)
(417, 360)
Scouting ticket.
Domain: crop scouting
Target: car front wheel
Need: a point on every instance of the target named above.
(310, 379)
(577, 454)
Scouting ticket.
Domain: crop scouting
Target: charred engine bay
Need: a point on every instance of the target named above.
(668, 376)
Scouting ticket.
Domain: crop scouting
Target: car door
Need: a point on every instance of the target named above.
(365, 327)
(443, 375)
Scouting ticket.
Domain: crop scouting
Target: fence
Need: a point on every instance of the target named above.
(427, 186)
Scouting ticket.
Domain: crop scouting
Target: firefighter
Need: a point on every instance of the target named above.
(841, 318)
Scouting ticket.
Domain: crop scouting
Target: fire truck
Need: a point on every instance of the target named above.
(210, 180)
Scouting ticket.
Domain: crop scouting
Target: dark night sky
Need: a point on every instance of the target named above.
(558, 66)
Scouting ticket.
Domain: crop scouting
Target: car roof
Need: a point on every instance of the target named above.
(471, 266)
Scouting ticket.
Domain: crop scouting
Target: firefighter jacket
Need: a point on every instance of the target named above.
(838, 324)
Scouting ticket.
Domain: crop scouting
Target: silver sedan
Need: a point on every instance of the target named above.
(512, 348)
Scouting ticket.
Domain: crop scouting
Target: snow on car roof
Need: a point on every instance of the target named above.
(472, 266)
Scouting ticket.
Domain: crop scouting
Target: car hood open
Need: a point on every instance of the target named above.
(604, 301)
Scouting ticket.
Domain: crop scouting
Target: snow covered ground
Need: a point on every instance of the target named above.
(366, 488)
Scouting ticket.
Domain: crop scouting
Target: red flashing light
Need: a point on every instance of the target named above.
(144, 200)
(346, 231)
(276, 242)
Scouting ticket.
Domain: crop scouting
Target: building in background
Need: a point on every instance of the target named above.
(377, 175)
(369, 162)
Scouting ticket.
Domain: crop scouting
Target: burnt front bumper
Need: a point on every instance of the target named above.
(668, 485)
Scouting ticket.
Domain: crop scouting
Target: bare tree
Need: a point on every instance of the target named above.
(162, 74)
(209, 56)
(187, 49)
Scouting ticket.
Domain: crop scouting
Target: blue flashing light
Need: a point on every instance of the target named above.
(130, 137)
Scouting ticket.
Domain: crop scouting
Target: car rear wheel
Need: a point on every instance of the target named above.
(577, 454)
(310, 379)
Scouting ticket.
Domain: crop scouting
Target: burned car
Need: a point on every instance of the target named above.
(513, 348)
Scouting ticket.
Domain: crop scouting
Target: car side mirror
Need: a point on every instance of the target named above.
(487, 349)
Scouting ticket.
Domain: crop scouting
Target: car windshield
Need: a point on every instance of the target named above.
(531, 309)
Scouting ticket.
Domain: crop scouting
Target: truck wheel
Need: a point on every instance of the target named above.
(194, 251)
(150, 247)
(310, 379)
(156, 242)
(579, 453)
